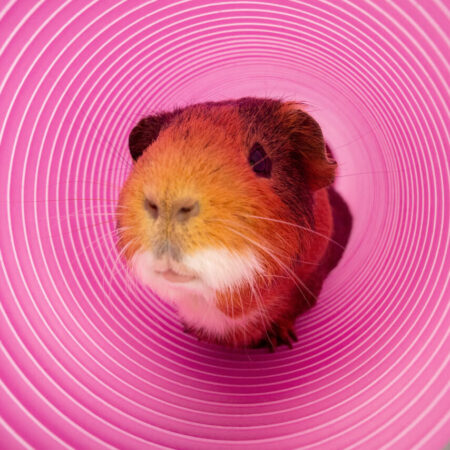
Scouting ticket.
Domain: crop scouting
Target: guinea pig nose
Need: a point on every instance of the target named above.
(186, 209)
(152, 208)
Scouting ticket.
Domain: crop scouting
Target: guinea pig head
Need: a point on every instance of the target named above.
(219, 196)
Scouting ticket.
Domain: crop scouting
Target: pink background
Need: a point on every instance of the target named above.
(89, 358)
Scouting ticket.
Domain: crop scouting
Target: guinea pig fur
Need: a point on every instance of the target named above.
(230, 215)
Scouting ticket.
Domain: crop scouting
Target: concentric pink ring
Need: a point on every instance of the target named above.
(89, 358)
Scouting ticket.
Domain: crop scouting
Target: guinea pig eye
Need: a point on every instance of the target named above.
(260, 161)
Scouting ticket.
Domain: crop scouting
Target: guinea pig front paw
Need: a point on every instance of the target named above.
(186, 328)
(278, 334)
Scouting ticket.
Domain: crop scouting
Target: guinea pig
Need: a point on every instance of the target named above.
(229, 214)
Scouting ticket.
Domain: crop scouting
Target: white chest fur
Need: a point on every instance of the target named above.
(195, 300)
(203, 313)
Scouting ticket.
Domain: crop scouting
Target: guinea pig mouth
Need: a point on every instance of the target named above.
(174, 277)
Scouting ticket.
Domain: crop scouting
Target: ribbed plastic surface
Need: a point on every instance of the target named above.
(90, 358)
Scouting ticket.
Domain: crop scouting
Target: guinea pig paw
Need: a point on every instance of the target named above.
(278, 334)
(269, 341)
(285, 335)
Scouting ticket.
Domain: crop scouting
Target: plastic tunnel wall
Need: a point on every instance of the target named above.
(90, 358)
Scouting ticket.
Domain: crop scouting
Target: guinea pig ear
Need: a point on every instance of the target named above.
(146, 132)
(306, 136)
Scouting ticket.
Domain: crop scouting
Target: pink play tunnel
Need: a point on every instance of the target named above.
(90, 359)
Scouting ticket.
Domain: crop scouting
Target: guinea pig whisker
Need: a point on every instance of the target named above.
(131, 280)
(259, 303)
(265, 319)
(118, 258)
(274, 276)
(376, 172)
(83, 216)
(72, 230)
(94, 208)
(241, 302)
(58, 200)
(294, 225)
(92, 243)
(244, 327)
(62, 201)
(258, 236)
(252, 231)
(207, 310)
(286, 268)
(65, 183)
(95, 213)
(232, 316)
(88, 212)
(243, 227)
(120, 229)
(67, 216)
(106, 205)
(280, 263)
(113, 146)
